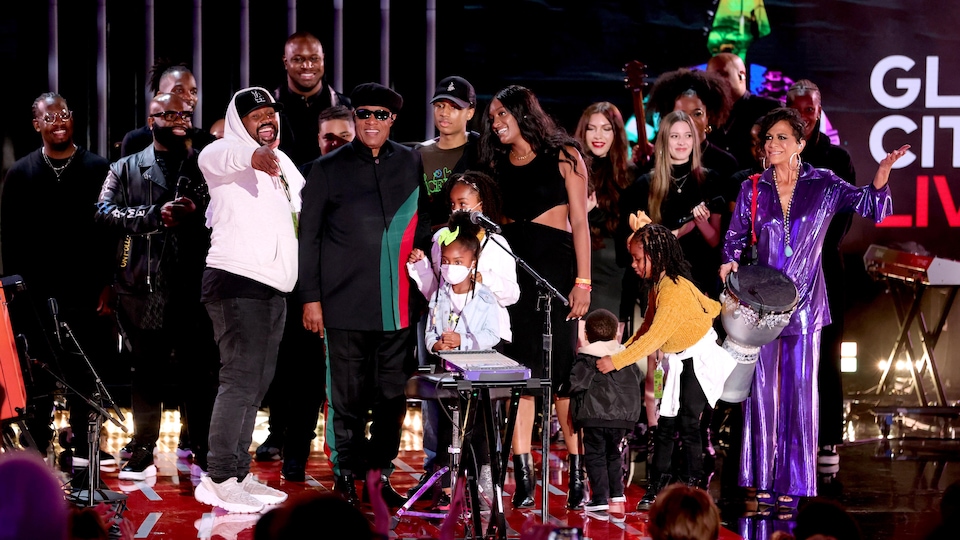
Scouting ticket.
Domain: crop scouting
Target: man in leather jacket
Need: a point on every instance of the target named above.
(155, 198)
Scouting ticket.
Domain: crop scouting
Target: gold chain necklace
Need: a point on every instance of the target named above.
(58, 170)
(788, 251)
(524, 157)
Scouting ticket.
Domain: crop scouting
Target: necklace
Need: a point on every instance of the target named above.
(58, 170)
(679, 182)
(524, 157)
(788, 251)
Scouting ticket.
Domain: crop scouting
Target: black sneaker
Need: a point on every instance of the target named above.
(140, 465)
(127, 451)
(81, 458)
(293, 470)
(270, 450)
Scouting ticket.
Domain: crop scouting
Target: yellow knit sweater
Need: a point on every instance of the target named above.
(681, 318)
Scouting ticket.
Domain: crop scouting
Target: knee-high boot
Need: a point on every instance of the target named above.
(575, 488)
(525, 484)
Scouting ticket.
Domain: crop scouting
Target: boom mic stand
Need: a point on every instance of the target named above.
(546, 293)
(100, 397)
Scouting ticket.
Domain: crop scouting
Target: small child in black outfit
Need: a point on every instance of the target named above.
(605, 407)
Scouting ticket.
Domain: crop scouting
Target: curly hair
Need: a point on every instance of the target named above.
(607, 176)
(537, 128)
(487, 190)
(710, 87)
(663, 248)
(662, 173)
(600, 325)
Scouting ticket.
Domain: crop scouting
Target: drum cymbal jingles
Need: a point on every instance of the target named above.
(756, 305)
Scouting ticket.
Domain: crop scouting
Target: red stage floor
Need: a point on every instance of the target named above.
(165, 507)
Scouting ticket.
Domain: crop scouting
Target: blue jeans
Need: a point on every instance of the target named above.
(248, 333)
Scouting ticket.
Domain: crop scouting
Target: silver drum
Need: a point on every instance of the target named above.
(756, 306)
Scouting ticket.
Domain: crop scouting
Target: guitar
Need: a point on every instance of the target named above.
(635, 72)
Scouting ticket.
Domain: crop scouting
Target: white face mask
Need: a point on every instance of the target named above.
(454, 273)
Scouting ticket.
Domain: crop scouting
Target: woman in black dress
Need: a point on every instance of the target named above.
(543, 181)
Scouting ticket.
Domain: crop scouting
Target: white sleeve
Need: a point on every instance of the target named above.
(221, 160)
(499, 270)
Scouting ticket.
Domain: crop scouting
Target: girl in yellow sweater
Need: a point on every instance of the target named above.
(678, 322)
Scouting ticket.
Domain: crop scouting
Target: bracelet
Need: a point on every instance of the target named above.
(583, 281)
(584, 286)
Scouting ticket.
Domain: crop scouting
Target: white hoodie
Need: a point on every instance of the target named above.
(249, 213)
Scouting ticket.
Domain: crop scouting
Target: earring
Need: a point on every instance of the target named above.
(708, 129)
(763, 162)
(795, 154)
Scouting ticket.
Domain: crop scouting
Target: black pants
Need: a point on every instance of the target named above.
(298, 389)
(604, 461)
(368, 372)
(687, 422)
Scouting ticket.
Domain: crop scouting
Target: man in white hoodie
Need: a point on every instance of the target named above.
(252, 264)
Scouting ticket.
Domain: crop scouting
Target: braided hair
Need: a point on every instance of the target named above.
(161, 69)
(663, 248)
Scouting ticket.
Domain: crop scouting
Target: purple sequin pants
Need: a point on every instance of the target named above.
(781, 418)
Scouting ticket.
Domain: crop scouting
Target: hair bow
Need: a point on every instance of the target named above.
(447, 237)
(639, 220)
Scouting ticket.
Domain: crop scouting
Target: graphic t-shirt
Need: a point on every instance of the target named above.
(438, 165)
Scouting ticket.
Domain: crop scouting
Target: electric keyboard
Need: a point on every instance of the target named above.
(484, 366)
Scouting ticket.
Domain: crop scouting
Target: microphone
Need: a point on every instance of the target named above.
(477, 218)
(55, 312)
(712, 204)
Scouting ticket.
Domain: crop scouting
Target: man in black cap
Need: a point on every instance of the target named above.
(362, 215)
(251, 266)
(455, 150)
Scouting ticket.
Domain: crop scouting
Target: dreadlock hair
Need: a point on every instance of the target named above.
(710, 87)
(663, 248)
(487, 190)
(600, 325)
(662, 174)
(537, 128)
(161, 69)
(44, 97)
(612, 174)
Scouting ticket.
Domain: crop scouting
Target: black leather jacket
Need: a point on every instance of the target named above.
(131, 198)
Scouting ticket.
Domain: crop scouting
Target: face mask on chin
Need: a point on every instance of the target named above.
(454, 274)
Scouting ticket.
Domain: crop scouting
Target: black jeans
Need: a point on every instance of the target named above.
(687, 422)
(604, 461)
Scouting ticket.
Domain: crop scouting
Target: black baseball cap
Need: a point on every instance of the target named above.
(252, 99)
(458, 90)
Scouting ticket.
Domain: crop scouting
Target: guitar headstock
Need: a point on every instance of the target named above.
(634, 75)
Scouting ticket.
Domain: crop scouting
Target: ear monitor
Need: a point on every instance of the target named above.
(741, 76)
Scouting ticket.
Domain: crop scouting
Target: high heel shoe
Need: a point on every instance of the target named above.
(575, 488)
(525, 485)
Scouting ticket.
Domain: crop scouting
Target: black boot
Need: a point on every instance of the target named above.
(390, 495)
(346, 488)
(525, 484)
(653, 488)
(575, 488)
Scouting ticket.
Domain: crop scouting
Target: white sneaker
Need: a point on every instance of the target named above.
(262, 492)
(228, 495)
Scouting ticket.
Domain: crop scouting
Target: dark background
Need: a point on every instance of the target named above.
(570, 53)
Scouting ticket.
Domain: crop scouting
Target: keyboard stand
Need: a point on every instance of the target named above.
(476, 399)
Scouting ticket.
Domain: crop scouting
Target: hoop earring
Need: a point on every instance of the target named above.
(763, 162)
(799, 164)
(795, 154)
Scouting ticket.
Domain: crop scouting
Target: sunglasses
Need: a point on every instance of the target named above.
(172, 116)
(363, 114)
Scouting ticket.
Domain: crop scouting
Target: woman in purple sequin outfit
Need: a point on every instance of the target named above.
(795, 203)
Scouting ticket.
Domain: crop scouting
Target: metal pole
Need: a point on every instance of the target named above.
(291, 17)
(149, 49)
(53, 54)
(338, 45)
(244, 43)
(431, 62)
(198, 60)
(102, 147)
(385, 42)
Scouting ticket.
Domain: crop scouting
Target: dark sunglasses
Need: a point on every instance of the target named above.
(363, 114)
(172, 116)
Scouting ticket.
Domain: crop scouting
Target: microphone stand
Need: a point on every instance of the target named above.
(546, 293)
(100, 397)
